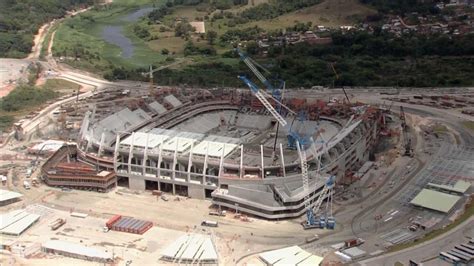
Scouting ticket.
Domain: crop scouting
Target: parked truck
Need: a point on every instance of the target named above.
(353, 242)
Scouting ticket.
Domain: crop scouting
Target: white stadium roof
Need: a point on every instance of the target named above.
(139, 139)
(213, 149)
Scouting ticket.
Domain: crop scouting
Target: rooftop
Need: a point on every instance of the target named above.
(435, 200)
(74, 248)
(293, 255)
(459, 187)
(16, 222)
(8, 195)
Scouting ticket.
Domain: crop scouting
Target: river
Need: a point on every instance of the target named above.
(114, 34)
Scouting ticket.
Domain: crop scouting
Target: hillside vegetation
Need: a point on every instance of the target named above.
(21, 19)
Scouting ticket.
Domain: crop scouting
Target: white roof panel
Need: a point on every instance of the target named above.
(209, 252)
(293, 259)
(171, 99)
(194, 247)
(11, 217)
(215, 148)
(311, 261)
(183, 144)
(8, 195)
(139, 139)
(271, 257)
(20, 225)
(172, 250)
(157, 107)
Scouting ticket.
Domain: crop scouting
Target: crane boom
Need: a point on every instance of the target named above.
(258, 93)
(252, 65)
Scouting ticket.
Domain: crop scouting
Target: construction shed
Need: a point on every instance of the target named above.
(16, 222)
(77, 251)
(460, 187)
(435, 200)
(8, 197)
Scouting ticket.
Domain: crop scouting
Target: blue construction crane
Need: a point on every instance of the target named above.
(292, 136)
(325, 219)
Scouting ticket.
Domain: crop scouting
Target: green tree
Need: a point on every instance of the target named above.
(211, 37)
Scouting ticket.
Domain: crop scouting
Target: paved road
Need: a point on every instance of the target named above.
(428, 250)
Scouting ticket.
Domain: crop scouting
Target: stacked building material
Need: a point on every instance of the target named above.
(128, 224)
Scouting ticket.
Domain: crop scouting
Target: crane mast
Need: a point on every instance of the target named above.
(326, 220)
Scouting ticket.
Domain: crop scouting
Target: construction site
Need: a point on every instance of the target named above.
(261, 175)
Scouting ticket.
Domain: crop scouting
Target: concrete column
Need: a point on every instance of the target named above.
(101, 145)
(221, 163)
(263, 164)
(116, 152)
(91, 139)
(130, 154)
(190, 161)
(282, 160)
(241, 161)
(175, 157)
(204, 168)
(84, 125)
(145, 154)
(160, 153)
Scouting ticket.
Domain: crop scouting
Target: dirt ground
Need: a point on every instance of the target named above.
(11, 70)
(234, 238)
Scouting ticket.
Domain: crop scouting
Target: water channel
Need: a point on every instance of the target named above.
(114, 34)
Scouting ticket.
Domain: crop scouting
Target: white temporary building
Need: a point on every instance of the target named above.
(74, 250)
(7, 196)
(16, 222)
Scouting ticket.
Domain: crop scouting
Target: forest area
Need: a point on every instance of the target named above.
(21, 19)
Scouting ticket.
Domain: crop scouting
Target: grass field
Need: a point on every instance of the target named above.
(330, 13)
(87, 32)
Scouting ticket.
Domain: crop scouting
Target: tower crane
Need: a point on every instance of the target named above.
(337, 77)
(276, 94)
(326, 219)
(151, 71)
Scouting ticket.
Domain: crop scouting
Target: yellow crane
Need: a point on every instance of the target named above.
(151, 71)
(337, 77)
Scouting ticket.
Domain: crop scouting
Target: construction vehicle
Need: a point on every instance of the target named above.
(325, 219)
(218, 213)
(57, 223)
(352, 243)
(209, 223)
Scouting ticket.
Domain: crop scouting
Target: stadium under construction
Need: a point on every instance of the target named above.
(224, 145)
